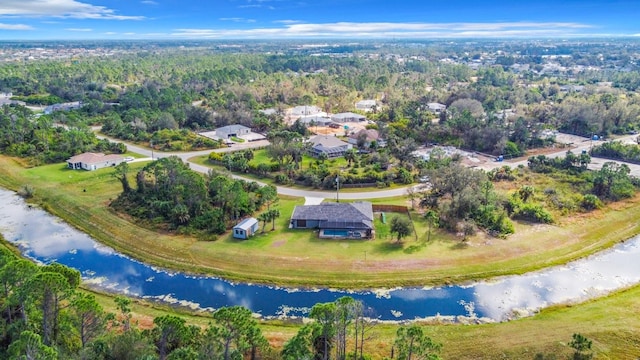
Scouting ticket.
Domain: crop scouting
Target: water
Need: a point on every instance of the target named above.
(45, 238)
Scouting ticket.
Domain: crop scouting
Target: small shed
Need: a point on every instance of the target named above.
(245, 228)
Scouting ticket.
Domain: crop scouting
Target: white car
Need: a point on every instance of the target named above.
(128, 159)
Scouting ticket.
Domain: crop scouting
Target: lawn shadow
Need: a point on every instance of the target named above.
(460, 245)
(388, 247)
(412, 249)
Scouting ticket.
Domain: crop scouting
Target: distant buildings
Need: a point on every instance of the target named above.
(366, 105)
(436, 108)
(62, 107)
(305, 110)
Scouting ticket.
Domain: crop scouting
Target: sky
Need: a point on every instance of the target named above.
(302, 19)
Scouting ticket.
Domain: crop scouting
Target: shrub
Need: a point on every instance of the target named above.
(27, 191)
(590, 202)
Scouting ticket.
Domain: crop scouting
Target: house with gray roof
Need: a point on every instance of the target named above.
(315, 120)
(368, 136)
(335, 220)
(348, 117)
(328, 144)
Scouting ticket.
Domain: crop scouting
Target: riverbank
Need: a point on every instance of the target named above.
(611, 323)
(299, 258)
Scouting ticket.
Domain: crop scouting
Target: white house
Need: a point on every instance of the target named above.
(348, 117)
(305, 110)
(229, 131)
(93, 161)
(366, 105)
(436, 108)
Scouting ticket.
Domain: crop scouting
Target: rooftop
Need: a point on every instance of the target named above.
(93, 158)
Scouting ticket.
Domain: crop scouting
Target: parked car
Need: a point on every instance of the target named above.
(128, 159)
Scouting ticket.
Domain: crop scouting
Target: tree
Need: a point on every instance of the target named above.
(120, 172)
(350, 155)
(412, 343)
(264, 217)
(169, 334)
(236, 331)
(582, 347)
(30, 347)
(612, 182)
(300, 346)
(400, 226)
(325, 315)
(273, 215)
(432, 219)
(124, 305)
(88, 317)
(322, 157)
(526, 192)
(49, 289)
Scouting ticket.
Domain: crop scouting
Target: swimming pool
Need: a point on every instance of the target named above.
(334, 233)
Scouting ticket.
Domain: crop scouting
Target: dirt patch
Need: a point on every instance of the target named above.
(277, 244)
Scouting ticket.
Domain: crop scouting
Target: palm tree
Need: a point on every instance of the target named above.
(264, 217)
(274, 214)
(350, 155)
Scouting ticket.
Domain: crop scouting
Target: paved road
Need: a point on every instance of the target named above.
(596, 164)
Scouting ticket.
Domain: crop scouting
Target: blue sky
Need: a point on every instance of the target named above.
(296, 19)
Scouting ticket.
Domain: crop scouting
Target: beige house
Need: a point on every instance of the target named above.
(93, 161)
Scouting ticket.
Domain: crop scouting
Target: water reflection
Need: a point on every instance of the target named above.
(44, 238)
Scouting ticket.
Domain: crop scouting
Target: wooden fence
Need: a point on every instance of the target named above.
(396, 209)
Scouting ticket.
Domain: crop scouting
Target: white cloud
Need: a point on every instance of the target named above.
(110, 33)
(79, 29)
(59, 8)
(238, 19)
(15, 27)
(291, 29)
(287, 21)
(149, 2)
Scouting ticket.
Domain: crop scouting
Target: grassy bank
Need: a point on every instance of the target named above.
(298, 257)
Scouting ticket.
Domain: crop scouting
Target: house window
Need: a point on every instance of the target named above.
(302, 223)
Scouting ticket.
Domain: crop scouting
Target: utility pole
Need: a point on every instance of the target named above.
(151, 143)
(338, 188)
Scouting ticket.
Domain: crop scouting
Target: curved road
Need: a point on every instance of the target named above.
(185, 156)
